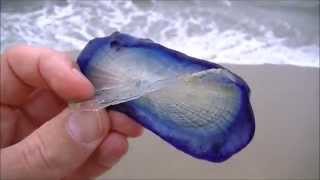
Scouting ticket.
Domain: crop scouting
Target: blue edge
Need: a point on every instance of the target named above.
(245, 117)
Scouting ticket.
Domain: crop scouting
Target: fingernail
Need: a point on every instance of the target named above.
(79, 74)
(86, 126)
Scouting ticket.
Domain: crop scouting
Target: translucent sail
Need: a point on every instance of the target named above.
(134, 89)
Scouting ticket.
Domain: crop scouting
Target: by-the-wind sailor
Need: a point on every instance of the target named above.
(199, 107)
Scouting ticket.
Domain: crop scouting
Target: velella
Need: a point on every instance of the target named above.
(199, 107)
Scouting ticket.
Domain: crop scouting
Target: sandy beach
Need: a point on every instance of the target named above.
(286, 144)
(284, 96)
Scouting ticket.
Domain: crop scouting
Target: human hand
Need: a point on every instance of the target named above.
(41, 138)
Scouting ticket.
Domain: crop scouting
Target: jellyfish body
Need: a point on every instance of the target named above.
(202, 109)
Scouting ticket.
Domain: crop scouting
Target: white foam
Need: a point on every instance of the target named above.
(213, 34)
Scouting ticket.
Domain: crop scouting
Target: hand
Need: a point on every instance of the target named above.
(43, 139)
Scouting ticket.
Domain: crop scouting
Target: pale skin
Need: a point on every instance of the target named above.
(41, 138)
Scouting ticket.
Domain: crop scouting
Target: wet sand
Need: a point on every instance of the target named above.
(286, 144)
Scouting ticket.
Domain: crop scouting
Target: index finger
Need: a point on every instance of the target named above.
(24, 68)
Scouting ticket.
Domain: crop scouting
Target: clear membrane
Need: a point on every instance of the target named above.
(112, 95)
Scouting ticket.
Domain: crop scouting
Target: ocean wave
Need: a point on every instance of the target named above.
(219, 31)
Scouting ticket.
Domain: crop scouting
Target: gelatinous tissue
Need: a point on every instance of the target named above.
(199, 107)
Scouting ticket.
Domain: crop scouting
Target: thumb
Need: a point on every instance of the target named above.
(57, 148)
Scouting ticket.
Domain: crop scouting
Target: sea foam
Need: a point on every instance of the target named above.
(219, 31)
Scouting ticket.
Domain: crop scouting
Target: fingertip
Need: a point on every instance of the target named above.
(135, 131)
(139, 132)
(125, 125)
(62, 75)
(88, 88)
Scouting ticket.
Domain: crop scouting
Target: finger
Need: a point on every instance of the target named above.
(57, 148)
(109, 153)
(124, 124)
(24, 68)
(24, 127)
(42, 106)
(14, 125)
(8, 121)
(12, 90)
